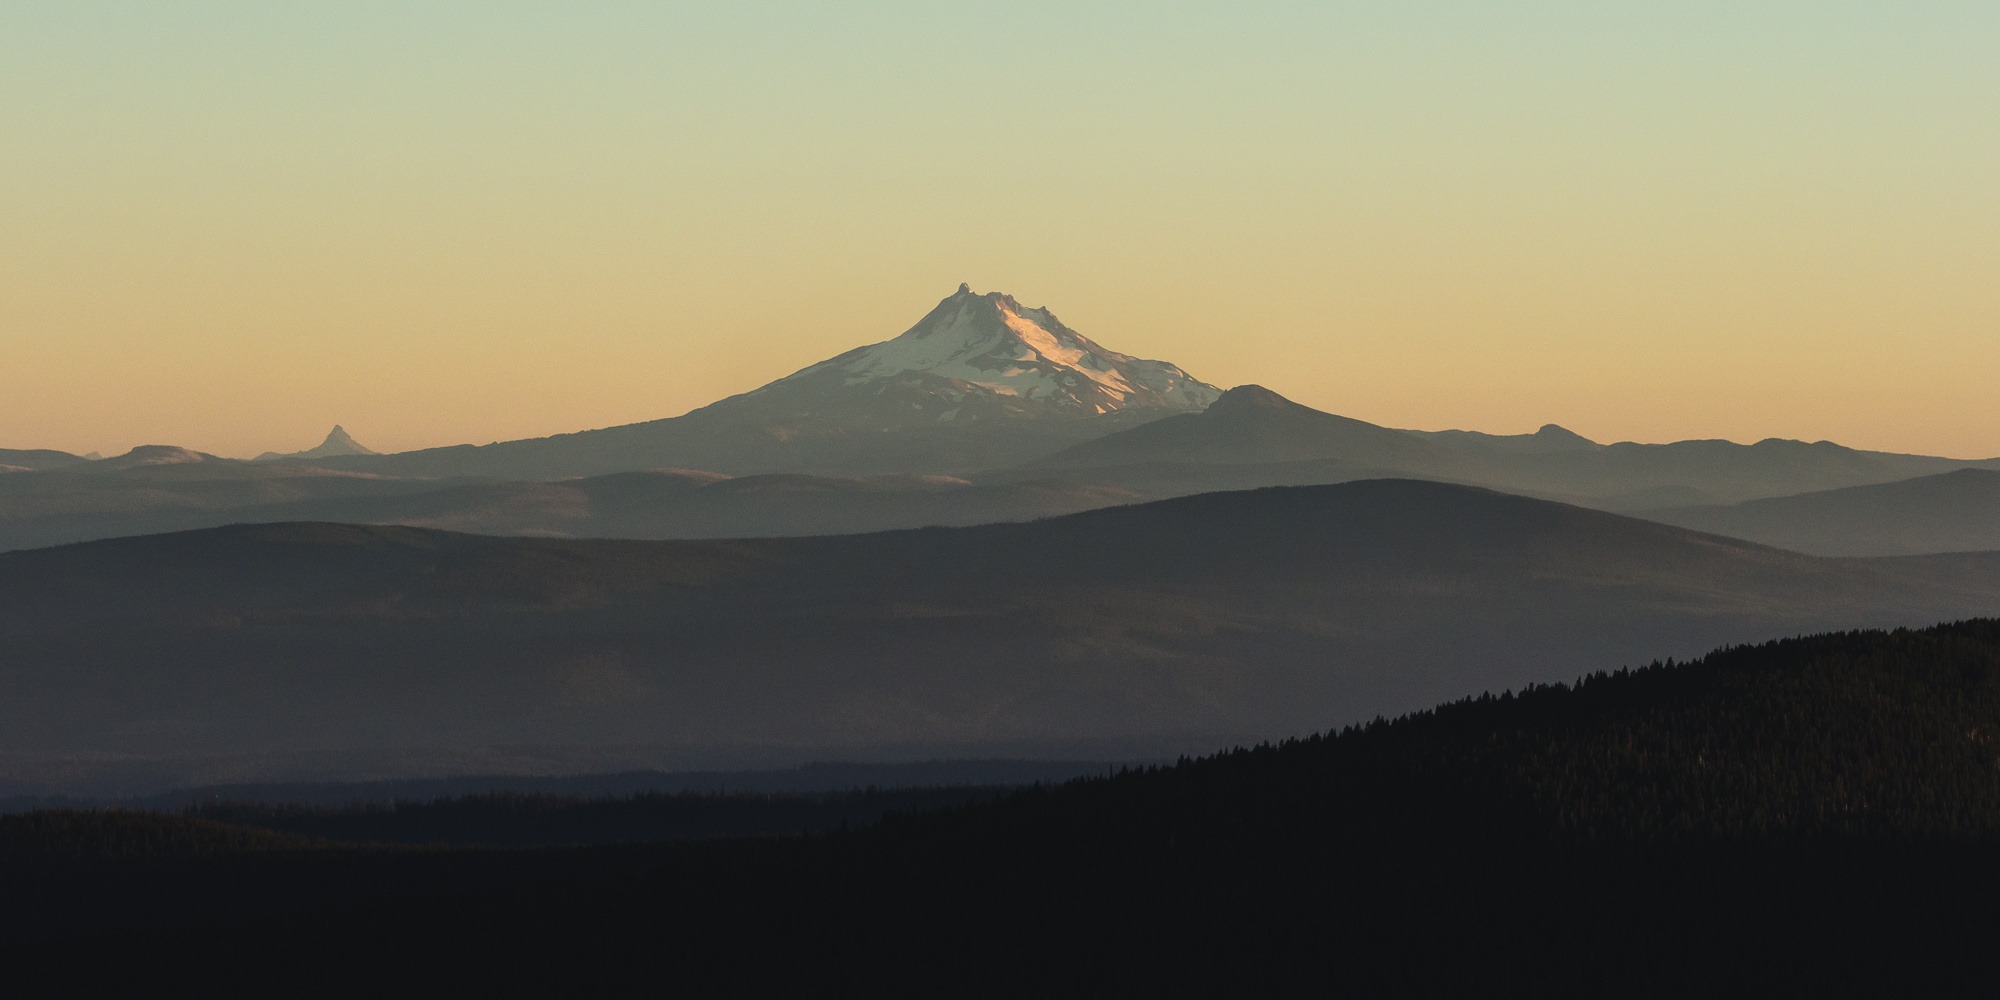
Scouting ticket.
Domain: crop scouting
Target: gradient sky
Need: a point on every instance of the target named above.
(232, 225)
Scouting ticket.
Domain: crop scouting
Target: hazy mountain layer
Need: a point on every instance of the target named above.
(1163, 626)
(1253, 427)
(1036, 419)
(676, 504)
(654, 504)
(17, 460)
(1249, 438)
(117, 497)
(1953, 512)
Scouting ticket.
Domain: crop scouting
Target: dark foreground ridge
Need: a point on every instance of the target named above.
(815, 781)
(1818, 815)
(517, 820)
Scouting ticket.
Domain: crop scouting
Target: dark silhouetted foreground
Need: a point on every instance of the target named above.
(1816, 816)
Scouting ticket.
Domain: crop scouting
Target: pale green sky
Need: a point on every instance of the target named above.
(231, 225)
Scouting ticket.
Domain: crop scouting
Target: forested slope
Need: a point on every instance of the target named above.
(1817, 815)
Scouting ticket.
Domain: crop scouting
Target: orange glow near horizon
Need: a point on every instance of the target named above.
(230, 227)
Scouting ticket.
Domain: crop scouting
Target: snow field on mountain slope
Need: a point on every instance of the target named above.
(960, 349)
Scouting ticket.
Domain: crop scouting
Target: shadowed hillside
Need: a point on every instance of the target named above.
(1953, 512)
(1147, 629)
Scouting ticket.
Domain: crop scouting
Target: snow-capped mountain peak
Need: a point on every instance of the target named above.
(991, 347)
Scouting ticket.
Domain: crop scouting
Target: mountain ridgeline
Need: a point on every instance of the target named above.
(1249, 438)
(1254, 437)
(1816, 815)
(985, 410)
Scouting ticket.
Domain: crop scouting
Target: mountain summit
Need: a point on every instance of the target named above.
(337, 443)
(980, 382)
(987, 355)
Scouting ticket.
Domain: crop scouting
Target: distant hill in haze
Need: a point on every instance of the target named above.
(1951, 512)
(686, 504)
(145, 454)
(1251, 424)
(1135, 630)
(1254, 437)
(659, 503)
(160, 488)
(16, 460)
(154, 454)
(1550, 438)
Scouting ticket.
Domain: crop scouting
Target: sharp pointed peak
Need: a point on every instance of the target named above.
(338, 442)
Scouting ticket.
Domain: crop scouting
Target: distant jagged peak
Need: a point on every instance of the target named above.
(338, 442)
(989, 345)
